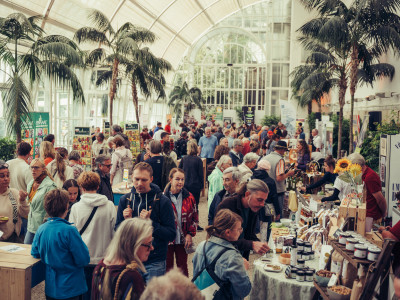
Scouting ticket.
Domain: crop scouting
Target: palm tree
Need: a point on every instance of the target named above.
(54, 56)
(183, 99)
(114, 47)
(362, 31)
(145, 71)
(323, 70)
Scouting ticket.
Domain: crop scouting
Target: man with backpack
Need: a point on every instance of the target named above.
(161, 164)
(181, 145)
(121, 160)
(147, 201)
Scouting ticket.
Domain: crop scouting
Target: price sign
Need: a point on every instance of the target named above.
(313, 205)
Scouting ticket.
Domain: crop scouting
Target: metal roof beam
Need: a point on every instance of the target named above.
(159, 21)
(30, 12)
(47, 12)
(121, 2)
(205, 13)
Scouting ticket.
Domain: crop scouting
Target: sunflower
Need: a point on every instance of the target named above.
(355, 170)
(343, 165)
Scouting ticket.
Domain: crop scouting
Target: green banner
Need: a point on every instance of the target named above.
(35, 129)
(132, 126)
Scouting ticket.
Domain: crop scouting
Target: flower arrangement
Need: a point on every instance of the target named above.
(352, 174)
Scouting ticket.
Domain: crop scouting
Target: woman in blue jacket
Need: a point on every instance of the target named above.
(60, 247)
(231, 266)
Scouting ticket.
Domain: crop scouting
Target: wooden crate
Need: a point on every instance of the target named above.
(375, 238)
(359, 213)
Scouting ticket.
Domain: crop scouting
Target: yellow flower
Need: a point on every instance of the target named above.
(355, 170)
(343, 165)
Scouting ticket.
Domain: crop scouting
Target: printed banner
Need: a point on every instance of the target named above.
(248, 114)
(35, 129)
(288, 116)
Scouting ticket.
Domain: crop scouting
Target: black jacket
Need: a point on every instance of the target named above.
(236, 159)
(218, 135)
(214, 204)
(181, 147)
(272, 195)
(244, 244)
(162, 215)
(105, 186)
(327, 178)
(193, 167)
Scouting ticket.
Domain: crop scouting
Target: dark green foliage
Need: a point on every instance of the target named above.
(270, 120)
(370, 147)
(7, 148)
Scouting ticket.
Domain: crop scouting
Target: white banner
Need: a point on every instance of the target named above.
(288, 116)
(394, 177)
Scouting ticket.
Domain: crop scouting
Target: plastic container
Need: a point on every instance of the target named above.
(307, 247)
(309, 275)
(300, 276)
(373, 253)
(301, 263)
(350, 243)
(360, 251)
(343, 238)
(300, 246)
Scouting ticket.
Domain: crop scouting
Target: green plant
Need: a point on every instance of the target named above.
(371, 144)
(7, 148)
(270, 120)
(183, 98)
(114, 47)
(239, 114)
(27, 57)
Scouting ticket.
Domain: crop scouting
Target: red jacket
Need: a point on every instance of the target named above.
(189, 217)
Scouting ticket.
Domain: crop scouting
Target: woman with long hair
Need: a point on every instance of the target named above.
(74, 193)
(230, 266)
(12, 208)
(73, 162)
(303, 155)
(47, 152)
(186, 220)
(42, 183)
(118, 276)
(59, 169)
(271, 143)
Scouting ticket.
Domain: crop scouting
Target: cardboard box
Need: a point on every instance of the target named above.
(359, 213)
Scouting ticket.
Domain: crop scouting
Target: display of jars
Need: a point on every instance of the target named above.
(360, 251)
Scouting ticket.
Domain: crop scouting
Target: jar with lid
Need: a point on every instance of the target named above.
(306, 256)
(350, 243)
(312, 255)
(309, 275)
(301, 263)
(307, 247)
(300, 276)
(373, 253)
(343, 238)
(360, 251)
(300, 246)
(293, 272)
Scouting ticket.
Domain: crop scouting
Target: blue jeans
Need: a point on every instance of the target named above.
(24, 226)
(29, 238)
(155, 269)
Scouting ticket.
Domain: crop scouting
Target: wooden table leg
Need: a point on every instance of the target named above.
(15, 284)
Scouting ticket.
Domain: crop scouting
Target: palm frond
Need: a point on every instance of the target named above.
(100, 21)
(90, 34)
(58, 51)
(32, 65)
(104, 78)
(95, 57)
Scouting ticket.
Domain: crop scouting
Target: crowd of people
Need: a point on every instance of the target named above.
(94, 251)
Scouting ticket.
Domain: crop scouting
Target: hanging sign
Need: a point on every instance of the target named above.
(34, 130)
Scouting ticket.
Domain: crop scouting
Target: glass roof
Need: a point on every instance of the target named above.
(177, 23)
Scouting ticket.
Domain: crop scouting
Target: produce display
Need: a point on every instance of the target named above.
(133, 133)
(341, 290)
(82, 142)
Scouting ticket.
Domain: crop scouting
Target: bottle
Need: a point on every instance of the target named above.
(293, 252)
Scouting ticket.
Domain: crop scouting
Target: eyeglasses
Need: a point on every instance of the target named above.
(148, 246)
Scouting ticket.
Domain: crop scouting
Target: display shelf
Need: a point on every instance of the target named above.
(322, 291)
(348, 255)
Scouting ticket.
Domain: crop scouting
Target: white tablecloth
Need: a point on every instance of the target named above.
(272, 285)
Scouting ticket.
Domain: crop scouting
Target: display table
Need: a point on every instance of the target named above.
(19, 272)
(120, 189)
(272, 285)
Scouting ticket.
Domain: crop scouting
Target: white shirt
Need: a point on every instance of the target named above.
(20, 174)
(343, 187)
(157, 135)
(317, 141)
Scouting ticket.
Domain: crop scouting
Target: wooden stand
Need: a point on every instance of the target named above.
(377, 271)
(16, 273)
(359, 213)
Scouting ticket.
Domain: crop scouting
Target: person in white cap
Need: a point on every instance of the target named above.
(266, 215)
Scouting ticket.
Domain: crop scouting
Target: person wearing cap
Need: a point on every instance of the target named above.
(261, 172)
(277, 172)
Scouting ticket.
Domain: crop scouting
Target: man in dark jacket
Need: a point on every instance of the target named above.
(218, 133)
(146, 201)
(263, 166)
(236, 153)
(181, 145)
(231, 179)
(248, 200)
(117, 130)
(103, 163)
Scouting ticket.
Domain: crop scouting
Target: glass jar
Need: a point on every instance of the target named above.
(350, 244)
(309, 275)
(300, 246)
(301, 263)
(373, 253)
(300, 276)
(343, 238)
(360, 251)
(307, 247)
